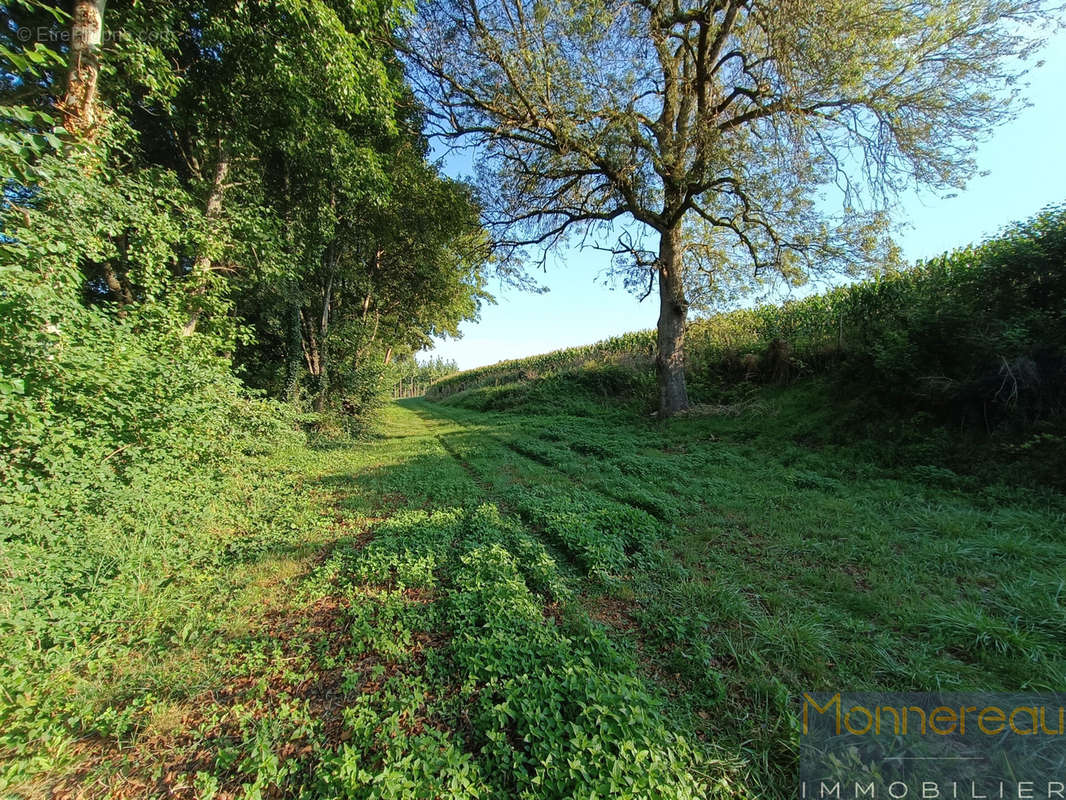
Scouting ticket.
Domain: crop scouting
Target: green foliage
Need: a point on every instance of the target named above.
(27, 130)
(154, 271)
(310, 220)
(474, 604)
(114, 579)
(103, 387)
(122, 506)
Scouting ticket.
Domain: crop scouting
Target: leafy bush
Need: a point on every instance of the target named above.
(131, 458)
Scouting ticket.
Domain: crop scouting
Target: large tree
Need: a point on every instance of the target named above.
(715, 123)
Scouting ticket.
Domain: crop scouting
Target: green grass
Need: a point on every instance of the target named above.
(484, 604)
(958, 364)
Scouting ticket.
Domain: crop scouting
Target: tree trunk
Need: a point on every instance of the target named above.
(202, 266)
(673, 309)
(118, 291)
(323, 370)
(86, 33)
(294, 355)
(310, 345)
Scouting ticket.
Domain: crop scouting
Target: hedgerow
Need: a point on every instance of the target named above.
(135, 470)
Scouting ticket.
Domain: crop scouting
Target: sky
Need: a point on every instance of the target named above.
(1024, 166)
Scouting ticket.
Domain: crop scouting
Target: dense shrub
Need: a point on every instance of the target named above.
(129, 454)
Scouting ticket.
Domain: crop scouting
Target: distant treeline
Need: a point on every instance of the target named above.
(413, 377)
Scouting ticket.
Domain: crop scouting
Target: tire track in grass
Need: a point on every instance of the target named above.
(556, 527)
(600, 460)
(462, 454)
(617, 546)
(536, 549)
(607, 540)
(512, 645)
(599, 533)
(539, 712)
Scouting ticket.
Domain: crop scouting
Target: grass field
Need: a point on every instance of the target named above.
(494, 605)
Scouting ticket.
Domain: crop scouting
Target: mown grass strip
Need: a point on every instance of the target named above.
(791, 568)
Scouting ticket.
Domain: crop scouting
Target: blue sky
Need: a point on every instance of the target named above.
(1025, 162)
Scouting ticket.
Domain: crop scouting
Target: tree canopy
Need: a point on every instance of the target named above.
(716, 126)
(251, 178)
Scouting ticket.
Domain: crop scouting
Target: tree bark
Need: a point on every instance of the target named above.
(310, 345)
(323, 371)
(673, 309)
(86, 33)
(293, 355)
(202, 265)
(119, 291)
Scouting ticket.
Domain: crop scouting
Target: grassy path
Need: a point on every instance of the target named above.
(503, 606)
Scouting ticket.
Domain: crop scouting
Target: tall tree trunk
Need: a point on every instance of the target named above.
(293, 355)
(86, 33)
(673, 309)
(202, 266)
(323, 370)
